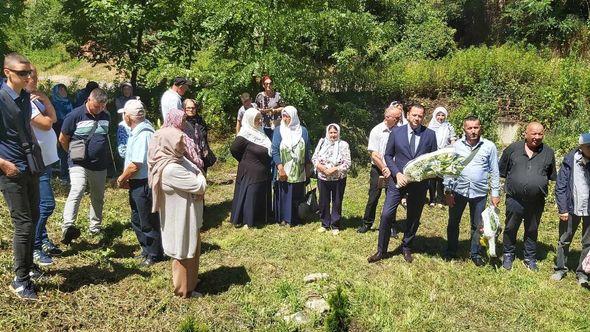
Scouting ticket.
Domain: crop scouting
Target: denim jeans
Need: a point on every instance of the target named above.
(21, 194)
(46, 207)
(476, 207)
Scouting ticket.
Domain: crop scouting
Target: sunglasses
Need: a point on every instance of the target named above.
(21, 73)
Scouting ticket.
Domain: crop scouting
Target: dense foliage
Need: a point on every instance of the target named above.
(337, 60)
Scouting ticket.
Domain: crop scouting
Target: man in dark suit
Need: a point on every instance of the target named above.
(405, 143)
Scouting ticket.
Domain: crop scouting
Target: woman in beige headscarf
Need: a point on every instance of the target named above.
(177, 190)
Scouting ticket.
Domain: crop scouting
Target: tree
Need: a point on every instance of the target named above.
(120, 32)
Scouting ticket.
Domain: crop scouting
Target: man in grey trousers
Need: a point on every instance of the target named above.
(89, 123)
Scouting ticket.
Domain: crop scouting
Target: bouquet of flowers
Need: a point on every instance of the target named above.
(444, 162)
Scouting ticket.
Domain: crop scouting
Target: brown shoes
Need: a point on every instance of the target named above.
(375, 258)
(408, 255)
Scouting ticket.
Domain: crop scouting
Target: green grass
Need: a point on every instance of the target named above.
(250, 276)
(55, 61)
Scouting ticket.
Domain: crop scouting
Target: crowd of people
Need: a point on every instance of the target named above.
(164, 172)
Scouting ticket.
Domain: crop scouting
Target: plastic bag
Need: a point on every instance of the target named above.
(490, 229)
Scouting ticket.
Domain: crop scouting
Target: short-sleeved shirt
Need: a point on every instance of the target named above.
(137, 148)
(10, 146)
(264, 102)
(527, 178)
(78, 126)
(170, 100)
(46, 138)
(378, 139)
(242, 110)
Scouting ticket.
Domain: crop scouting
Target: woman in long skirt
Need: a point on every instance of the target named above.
(291, 153)
(177, 193)
(252, 149)
(332, 161)
(445, 136)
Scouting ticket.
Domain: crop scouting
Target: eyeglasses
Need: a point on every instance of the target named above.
(21, 73)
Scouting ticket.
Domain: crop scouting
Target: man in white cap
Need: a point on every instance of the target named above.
(572, 194)
(135, 178)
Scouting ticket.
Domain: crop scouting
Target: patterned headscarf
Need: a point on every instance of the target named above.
(176, 119)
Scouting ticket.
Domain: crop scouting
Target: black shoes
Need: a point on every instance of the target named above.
(70, 234)
(394, 234)
(363, 229)
(478, 261)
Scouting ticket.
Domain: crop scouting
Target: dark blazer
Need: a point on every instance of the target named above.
(397, 152)
(563, 187)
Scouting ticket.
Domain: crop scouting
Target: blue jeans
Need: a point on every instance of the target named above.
(476, 207)
(46, 207)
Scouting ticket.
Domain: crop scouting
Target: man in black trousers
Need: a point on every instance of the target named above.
(527, 167)
(405, 143)
(19, 187)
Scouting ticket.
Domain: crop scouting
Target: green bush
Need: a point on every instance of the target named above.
(190, 324)
(338, 319)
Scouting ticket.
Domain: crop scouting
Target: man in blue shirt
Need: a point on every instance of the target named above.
(135, 178)
(471, 186)
(90, 123)
(19, 187)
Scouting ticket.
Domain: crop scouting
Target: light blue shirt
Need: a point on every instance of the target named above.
(137, 148)
(473, 180)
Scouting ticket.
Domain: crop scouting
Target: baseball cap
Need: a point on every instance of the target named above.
(584, 139)
(133, 107)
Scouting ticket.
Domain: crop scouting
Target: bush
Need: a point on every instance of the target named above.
(338, 319)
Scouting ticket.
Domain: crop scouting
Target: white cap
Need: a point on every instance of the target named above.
(584, 139)
(133, 107)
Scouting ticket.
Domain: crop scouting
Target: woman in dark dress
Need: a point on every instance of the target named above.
(252, 149)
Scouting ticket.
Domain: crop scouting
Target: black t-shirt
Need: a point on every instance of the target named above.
(527, 178)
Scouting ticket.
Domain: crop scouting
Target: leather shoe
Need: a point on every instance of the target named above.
(394, 234)
(375, 258)
(478, 261)
(408, 256)
(363, 229)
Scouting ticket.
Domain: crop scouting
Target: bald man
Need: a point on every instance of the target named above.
(527, 166)
(378, 137)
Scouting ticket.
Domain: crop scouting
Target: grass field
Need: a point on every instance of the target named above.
(251, 278)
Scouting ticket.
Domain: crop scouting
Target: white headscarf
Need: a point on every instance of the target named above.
(442, 130)
(290, 134)
(330, 150)
(252, 132)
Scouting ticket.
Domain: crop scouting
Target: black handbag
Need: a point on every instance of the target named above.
(309, 208)
(31, 147)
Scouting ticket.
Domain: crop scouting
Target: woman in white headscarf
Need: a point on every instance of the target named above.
(252, 150)
(291, 153)
(332, 161)
(445, 136)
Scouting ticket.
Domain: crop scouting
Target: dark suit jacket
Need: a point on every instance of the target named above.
(397, 152)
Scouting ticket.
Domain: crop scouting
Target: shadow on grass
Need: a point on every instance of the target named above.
(80, 276)
(207, 247)
(219, 280)
(109, 234)
(215, 214)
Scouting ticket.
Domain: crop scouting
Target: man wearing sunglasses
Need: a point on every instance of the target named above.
(19, 187)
